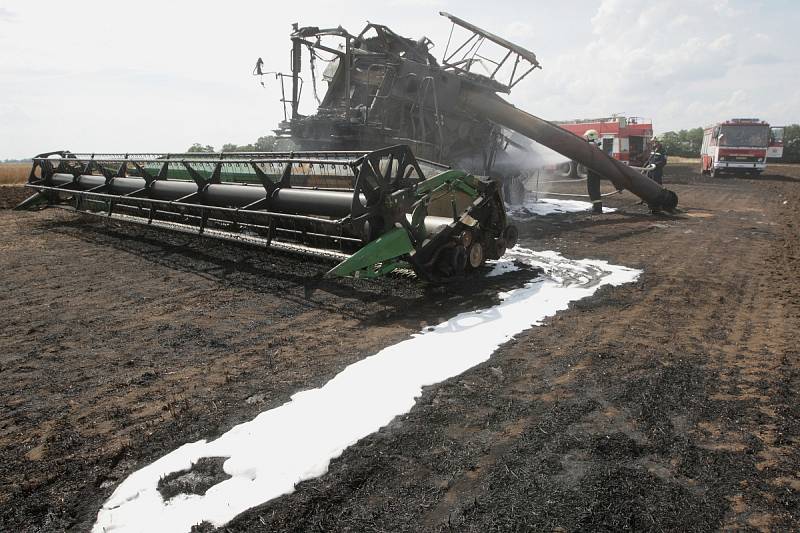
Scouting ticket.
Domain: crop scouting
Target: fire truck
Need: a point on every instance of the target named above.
(775, 148)
(624, 138)
(738, 145)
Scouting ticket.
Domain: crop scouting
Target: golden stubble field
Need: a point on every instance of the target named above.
(14, 173)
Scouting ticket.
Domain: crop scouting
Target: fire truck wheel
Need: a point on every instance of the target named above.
(573, 170)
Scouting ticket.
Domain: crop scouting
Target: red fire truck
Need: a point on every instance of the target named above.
(736, 145)
(624, 138)
(775, 149)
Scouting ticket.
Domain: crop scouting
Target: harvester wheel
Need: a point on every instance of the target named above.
(476, 255)
(452, 261)
(511, 235)
(466, 238)
(496, 248)
(459, 259)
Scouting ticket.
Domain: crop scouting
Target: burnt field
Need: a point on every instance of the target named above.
(667, 404)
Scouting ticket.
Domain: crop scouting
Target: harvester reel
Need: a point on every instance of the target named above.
(374, 212)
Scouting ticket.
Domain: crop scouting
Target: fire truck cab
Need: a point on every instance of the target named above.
(737, 145)
(775, 149)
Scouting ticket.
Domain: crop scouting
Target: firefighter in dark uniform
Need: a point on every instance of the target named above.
(659, 159)
(592, 177)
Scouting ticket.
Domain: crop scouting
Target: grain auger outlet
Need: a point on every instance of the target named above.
(373, 212)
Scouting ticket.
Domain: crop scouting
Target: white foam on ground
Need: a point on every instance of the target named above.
(297, 440)
(550, 206)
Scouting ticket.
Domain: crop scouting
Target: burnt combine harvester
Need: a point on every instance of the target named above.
(346, 196)
(385, 89)
(373, 212)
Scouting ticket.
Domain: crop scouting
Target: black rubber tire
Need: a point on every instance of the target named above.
(511, 235)
(573, 170)
(451, 262)
(476, 256)
(459, 259)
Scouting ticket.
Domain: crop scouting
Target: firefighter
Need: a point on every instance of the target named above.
(659, 159)
(592, 177)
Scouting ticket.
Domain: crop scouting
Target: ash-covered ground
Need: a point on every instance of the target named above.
(667, 404)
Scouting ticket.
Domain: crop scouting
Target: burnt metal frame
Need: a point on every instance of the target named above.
(475, 41)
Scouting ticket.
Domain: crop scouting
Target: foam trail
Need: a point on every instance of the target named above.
(297, 440)
(550, 206)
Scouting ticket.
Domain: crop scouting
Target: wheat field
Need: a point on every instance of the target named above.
(14, 173)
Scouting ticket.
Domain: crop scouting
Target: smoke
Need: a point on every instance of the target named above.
(523, 155)
(530, 167)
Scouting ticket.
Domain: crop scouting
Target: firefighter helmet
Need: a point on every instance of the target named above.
(591, 135)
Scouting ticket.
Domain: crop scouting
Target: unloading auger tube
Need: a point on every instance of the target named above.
(374, 212)
(568, 144)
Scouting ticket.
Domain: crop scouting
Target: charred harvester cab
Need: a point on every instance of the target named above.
(385, 89)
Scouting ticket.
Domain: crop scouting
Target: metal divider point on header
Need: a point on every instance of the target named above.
(373, 212)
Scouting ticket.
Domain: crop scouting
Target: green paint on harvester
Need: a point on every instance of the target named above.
(389, 246)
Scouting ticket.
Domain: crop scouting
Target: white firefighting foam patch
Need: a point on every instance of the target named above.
(296, 441)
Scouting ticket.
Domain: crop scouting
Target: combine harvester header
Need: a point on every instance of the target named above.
(374, 212)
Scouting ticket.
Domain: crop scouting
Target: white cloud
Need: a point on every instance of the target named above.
(516, 29)
(6, 15)
(723, 7)
(666, 62)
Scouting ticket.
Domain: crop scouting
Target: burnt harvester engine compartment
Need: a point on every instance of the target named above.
(385, 89)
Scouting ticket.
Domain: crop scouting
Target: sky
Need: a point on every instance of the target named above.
(147, 76)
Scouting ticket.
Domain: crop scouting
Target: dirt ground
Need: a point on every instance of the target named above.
(667, 404)
(12, 195)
